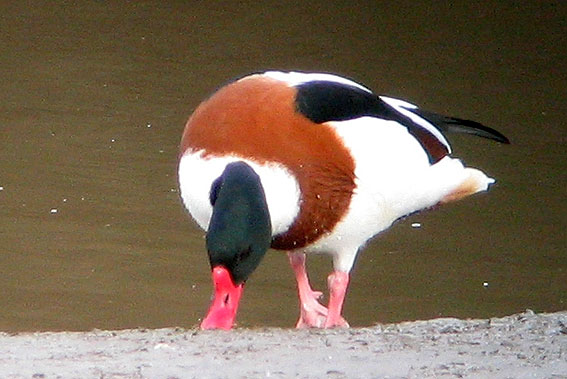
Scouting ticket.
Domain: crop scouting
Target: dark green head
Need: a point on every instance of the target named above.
(239, 234)
(240, 230)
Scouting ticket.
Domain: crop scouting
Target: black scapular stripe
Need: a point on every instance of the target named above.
(323, 101)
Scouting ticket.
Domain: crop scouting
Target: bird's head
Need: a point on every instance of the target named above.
(238, 237)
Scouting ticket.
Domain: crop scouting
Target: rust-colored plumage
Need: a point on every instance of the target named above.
(311, 163)
(255, 118)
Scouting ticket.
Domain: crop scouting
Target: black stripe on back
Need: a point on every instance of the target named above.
(323, 101)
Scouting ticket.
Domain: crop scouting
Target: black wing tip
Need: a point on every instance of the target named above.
(502, 138)
(478, 129)
(459, 125)
(498, 137)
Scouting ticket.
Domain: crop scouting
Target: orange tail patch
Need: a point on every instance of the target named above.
(475, 182)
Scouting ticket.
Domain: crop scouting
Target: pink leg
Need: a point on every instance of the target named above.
(313, 314)
(338, 283)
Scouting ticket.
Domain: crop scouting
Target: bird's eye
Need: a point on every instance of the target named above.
(244, 254)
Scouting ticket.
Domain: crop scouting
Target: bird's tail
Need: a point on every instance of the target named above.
(446, 181)
(475, 181)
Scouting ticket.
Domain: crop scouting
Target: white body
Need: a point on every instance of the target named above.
(393, 178)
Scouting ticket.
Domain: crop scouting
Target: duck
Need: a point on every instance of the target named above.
(306, 163)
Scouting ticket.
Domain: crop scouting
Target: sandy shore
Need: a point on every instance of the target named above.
(518, 346)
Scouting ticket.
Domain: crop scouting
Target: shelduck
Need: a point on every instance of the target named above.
(310, 163)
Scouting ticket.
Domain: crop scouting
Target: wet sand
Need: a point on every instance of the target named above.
(518, 346)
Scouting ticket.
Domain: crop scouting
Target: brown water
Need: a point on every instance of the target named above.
(93, 99)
